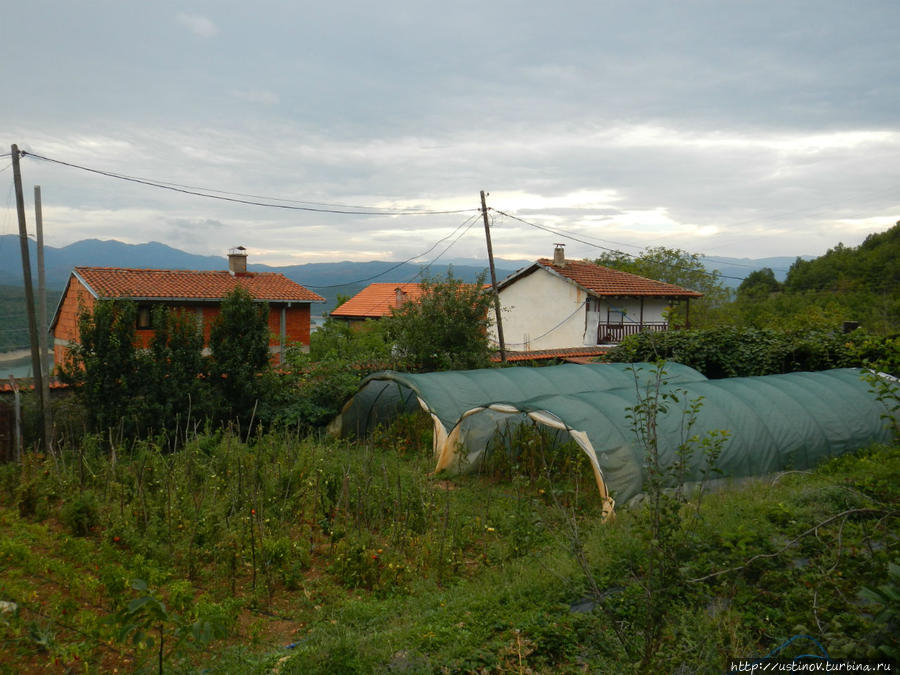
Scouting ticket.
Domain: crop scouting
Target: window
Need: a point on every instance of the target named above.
(615, 317)
(143, 317)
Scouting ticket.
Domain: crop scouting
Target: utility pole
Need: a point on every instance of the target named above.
(487, 236)
(42, 320)
(26, 272)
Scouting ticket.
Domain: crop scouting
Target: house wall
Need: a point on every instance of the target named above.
(542, 311)
(75, 298)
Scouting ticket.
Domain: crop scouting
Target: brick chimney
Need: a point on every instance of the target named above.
(399, 296)
(559, 255)
(237, 260)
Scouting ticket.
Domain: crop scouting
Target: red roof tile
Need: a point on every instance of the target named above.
(606, 281)
(120, 282)
(377, 300)
(575, 354)
(27, 384)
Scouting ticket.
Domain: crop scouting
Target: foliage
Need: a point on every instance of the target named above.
(177, 389)
(728, 351)
(846, 284)
(874, 265)
(338, 340)
(759, 284)
(107, 368)
(148, 624)
(170, 385)
(446, 328)
(471, 574)
(681, 268)
(312, 392)
(313, 387)
(662, 521)
(239, 345)
(887, 595)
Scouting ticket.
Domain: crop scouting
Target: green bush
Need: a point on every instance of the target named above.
(728, 351)
(80, 514)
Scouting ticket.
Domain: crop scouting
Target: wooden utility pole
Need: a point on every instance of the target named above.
(26, 272)
(18, 413)
(487, 235)
(42, 320)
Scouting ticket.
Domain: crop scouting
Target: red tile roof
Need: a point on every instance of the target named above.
(376, 300)
(120, 282)
(574, 354)
(606, 281)
(27, 384)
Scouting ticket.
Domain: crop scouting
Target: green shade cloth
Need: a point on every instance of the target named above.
(447, 395)
(774, 423)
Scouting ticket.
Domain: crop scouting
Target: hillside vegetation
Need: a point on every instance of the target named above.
(860, 284)
(278, 554)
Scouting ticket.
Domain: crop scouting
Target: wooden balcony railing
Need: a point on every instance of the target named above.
(608, 333)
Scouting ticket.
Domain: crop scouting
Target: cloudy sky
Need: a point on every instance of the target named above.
(743, 129)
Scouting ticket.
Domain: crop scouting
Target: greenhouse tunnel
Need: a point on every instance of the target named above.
(447, 395)
(771, 423)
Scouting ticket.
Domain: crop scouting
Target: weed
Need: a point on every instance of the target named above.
(80, 514)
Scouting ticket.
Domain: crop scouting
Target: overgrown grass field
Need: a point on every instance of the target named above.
(288, 554)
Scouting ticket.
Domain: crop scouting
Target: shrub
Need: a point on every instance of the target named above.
(81, 513)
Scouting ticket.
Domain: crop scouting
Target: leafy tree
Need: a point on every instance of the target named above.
(674, 266)
(315, 385)
(759, 284)
(336, 339)
(873, 266)
(109, 371)
(446, 328)
(846, 284)
(177, 389)
(239, 344)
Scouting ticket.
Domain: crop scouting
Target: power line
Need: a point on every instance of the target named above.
(222, 196)
(399, 264)
(714, 275)
(473, 219)
(637, 246)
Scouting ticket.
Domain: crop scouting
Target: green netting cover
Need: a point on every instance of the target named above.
(447, 395)
(775, 422)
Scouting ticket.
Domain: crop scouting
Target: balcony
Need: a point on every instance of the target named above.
(613, 333)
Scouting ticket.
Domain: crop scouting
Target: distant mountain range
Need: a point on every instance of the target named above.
(327, 279)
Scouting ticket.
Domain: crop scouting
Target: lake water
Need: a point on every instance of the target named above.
(20, 367)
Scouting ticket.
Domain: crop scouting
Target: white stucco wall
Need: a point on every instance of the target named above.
(544, 311)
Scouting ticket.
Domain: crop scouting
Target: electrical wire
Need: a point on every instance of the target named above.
(543, 335)
(399, 264)
(637, 246)
(422, 271)
(714, 275)
(222, 196)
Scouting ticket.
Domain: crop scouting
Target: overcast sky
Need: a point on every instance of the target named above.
(743, 129)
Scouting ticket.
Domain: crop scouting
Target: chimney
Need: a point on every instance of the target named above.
(237, 260)
(559, 255)
(400, 296)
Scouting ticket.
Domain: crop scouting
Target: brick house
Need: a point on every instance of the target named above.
(198, 292)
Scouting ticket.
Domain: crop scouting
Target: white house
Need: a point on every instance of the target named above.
(565, 304)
